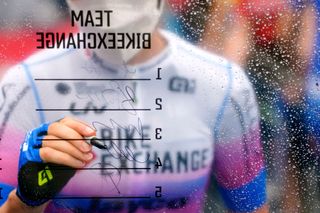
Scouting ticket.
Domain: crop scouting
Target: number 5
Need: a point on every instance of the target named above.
(158, 191)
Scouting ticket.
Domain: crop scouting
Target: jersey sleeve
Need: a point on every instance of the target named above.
(17, 116)
(238, 156)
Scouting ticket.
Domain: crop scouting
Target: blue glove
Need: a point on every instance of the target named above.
(39, 182)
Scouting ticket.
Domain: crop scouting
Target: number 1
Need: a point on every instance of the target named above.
(159, 74)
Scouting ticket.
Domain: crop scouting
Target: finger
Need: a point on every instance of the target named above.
(66, 133)
(66, 147)
(79, 126)
(50, 155)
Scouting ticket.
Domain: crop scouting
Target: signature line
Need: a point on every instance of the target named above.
(115, 197)
(92, 79)
(123, 168)
(93, 110)
(101, 139)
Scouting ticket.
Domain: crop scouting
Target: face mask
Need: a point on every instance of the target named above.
(128, 16)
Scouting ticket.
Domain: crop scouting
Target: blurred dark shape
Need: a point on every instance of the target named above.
(312, 112)
(187, 18)
(271, 40)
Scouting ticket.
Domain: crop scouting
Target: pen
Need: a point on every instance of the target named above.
(94, 141)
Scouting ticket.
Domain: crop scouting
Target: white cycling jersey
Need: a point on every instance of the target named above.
(170, 122)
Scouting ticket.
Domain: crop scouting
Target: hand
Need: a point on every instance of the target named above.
(49, 158)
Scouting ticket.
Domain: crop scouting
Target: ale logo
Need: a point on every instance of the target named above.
(44, 176)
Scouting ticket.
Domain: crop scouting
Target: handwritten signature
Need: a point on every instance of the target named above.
(113, 174)
(122, 98)
(126, 99)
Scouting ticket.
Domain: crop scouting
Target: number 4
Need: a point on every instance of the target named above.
(158, 163)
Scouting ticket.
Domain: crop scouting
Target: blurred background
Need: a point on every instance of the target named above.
(275, 41)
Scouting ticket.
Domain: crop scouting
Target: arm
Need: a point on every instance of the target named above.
(55, 148)
(17, 116)
(299, 39)
(238, 41)
(228, 36)
(238, 157)
(215, 28)
(14, 204)
(307, 35)
(263, 209)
